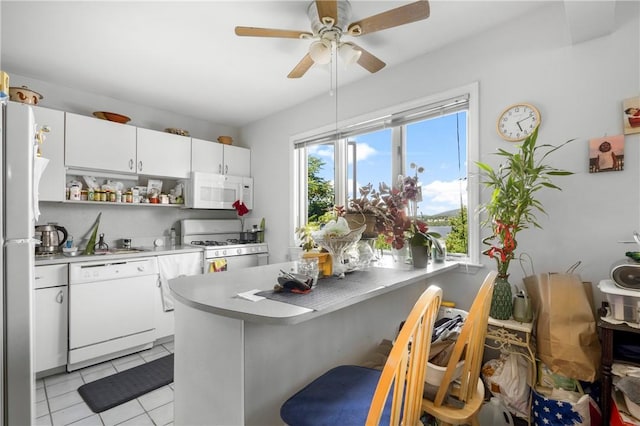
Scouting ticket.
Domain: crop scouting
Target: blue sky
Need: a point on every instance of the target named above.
(432, 144)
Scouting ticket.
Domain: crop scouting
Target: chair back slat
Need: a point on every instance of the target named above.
(470, 344)
(406, 364)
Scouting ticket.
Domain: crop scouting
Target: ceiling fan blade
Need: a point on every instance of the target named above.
(406, 14)
(327, 11)
(302, 67)
(368, 61)
(270, 32)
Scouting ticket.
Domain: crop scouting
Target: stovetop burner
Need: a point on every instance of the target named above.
(209, 243)
(212, 243)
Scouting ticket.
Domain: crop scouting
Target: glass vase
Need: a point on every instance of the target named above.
(337, 245)
(401, 259)
(502, 301)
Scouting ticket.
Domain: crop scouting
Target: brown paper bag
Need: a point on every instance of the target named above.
(566, 334)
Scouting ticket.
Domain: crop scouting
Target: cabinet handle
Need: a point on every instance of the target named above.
(131, 164)
(219, 168)
(226, 169)
(60, 297)
(139, 166)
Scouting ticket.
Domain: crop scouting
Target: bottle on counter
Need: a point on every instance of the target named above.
(172, 238)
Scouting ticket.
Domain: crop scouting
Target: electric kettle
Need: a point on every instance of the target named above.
(49, 236)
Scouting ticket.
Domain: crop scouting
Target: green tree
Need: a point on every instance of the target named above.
(320, 191)
(457, 241)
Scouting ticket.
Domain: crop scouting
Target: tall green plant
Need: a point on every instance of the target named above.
(515, 183)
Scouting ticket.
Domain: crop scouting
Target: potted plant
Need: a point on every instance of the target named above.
(512, 207)
(363, 210)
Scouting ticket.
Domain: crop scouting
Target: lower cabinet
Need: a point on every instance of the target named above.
(50, 314)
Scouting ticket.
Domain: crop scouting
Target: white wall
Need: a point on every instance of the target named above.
(579, 90)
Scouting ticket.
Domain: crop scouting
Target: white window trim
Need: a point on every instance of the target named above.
(473, 156)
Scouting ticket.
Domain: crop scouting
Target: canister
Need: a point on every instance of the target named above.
(4, 83)
(74, 193)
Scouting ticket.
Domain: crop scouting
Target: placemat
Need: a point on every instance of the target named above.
(331, 290)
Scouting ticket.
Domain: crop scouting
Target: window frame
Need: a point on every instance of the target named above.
(299, 158)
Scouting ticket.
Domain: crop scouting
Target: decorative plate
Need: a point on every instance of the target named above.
(112, 116)
(180, 132)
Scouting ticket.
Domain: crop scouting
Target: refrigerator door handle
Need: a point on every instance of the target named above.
(22, 241)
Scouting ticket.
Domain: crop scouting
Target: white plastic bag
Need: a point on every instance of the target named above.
(507, 379)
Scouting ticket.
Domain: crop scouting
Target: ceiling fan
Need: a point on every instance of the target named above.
(329, 22)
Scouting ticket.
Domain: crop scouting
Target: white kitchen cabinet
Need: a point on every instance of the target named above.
(91, 143)
(50, 316)
(163, 154)
(214, 157)
(52, 182)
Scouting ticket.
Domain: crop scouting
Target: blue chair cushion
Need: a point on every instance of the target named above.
(341, 396)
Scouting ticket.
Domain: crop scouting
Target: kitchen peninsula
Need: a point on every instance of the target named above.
(236, 360)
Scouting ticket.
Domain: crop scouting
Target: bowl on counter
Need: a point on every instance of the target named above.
(112, 116)
(25, 95)
(175, 131)
(227, 140)
(70, 251)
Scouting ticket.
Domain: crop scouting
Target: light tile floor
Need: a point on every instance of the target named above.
(59, 403)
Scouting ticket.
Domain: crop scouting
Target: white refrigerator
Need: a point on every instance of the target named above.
(17, 216)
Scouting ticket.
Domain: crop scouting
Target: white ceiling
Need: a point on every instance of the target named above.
(184, 57)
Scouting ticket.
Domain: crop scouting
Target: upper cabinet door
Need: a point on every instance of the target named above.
(237, 161)
(163, 154)
(52, 183)
(97, 144)
(206, 156)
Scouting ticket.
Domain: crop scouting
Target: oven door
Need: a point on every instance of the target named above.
(232, 263)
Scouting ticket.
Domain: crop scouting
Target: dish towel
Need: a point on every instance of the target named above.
(218, 265)
(174, 266)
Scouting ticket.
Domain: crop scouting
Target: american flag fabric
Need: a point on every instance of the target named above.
(555, 412)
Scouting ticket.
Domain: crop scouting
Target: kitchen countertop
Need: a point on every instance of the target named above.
(218, 293)
(147, 252)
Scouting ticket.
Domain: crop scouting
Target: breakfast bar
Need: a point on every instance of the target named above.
(238, 360)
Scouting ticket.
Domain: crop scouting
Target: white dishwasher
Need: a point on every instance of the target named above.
(110, 309)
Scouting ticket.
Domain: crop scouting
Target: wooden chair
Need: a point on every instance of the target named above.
(470, 345)
(353, 395)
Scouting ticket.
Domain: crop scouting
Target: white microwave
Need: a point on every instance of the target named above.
(213, 191)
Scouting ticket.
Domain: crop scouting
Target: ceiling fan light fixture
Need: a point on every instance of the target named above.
(320, 52)
(349, 54)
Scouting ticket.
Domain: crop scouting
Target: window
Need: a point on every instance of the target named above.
(435, 134)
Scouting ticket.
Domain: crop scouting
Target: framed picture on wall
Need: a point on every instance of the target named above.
(631, 115)
(606, 154)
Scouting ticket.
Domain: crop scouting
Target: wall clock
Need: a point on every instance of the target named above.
(518, 121)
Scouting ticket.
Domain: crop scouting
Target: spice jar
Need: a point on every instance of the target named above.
(112, 196)
(103, 195)
(128, 197)
(84, 195)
